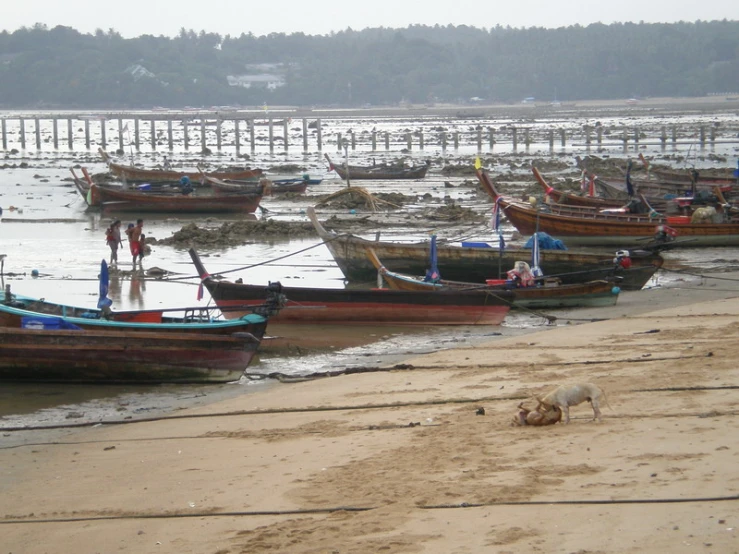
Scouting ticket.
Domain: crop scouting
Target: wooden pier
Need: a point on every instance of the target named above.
(210, 130)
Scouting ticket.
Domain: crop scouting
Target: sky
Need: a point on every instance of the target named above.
(133, 18)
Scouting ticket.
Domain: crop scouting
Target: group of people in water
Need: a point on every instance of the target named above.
(136, 241)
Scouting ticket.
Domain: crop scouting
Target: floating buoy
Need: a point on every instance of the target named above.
(615, 290)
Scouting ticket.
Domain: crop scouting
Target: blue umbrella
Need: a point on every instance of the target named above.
(432, 274)
(104, 301)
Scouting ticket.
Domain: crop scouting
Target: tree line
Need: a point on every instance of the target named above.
(61, 68)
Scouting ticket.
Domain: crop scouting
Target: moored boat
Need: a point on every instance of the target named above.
(378, 172)
(113, 356)
(307, 306)
(476, 263)
(137, 174)
(543, 293)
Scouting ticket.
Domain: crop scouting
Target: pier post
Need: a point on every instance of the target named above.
(663, 137)
(409, 141)
(479, 139)
(702, 132)
(456, 140)
(271, 136)
(23, 133)
(218, 134)
(443, 141)
(587, 136)
(353, 140)
(237, 136)
(55, 133)
(625, 139)
(103, 138)
(120, 134)
(37, 130)
(551, 139)
(339, 142)
(712, 134)
(420, 140)
(5, 133)
(600, 136)
(252, 136)
(526, 138)
(514, 138)
(87, 134)
(203, 142)
(374, 140)
(305, 136)
(387, 140)
(491, 138)
(319, 135)
(136, 137)
(636, 135)
(562, 138)
(153, 126)
(186, 133)
(284, 132)
(170, 140)
(674, 135)
(70, 139)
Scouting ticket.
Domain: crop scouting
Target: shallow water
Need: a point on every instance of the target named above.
(46, 230)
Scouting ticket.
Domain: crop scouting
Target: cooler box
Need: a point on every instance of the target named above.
(678, 219)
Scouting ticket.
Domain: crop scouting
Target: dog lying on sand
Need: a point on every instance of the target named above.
(565, 396)
(540, 415)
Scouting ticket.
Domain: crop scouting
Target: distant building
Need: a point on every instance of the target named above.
(262, 75)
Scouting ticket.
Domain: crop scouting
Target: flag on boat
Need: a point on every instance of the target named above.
(432, 274)
(496, 215)
(629, 184)
(535, 269)
(104, 301)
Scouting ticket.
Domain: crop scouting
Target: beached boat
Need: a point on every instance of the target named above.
(15, 309)
(590, 227)
(481, 262)
(41, 353)
(544, 293)
(306, 306)
(378, 172)
(221, 186)
(116, 199)
(134, 174)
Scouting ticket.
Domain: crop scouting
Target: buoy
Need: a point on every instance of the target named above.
(615, 290)
(352, 211)
(34, 273)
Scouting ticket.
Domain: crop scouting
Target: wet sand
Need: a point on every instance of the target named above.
(400, 461)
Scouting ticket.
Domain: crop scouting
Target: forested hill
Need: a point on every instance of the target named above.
(62, 68)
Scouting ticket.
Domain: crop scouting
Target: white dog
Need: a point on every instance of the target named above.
(565, 396)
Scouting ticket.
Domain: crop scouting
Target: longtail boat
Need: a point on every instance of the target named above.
(306, 306)
(378, 172)
(137, 174)
(45, 354)
(474, 263)
(591, 227)
(546, 293)
(115, 199)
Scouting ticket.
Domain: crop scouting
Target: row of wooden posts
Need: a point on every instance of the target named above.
(482, 136)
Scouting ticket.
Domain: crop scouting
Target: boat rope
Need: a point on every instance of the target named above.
(15, 520)
(266, 262)
(378, 406)
(701, 275)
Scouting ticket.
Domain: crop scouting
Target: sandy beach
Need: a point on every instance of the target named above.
(401, 461)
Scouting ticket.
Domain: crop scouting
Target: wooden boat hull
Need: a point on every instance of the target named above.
(143, 202)
(378, 173)
(478, 264)
(79, 356)
(545, 296)
(622, 230)
(137, 174)
(13, 314)
(311, 306)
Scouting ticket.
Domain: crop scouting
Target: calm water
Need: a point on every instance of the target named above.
(45, 229)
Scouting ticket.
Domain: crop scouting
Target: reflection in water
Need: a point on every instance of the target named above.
(135, 293)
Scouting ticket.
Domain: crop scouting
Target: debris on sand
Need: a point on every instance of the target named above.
(235, 233)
